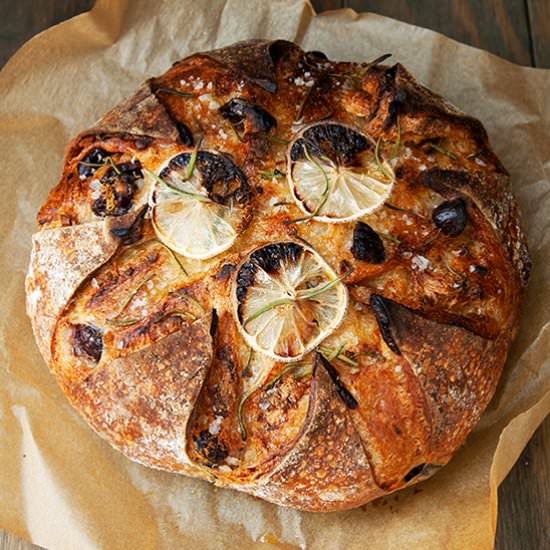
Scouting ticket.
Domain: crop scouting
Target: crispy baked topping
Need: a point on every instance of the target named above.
(383, 318)
(199, 203)
(367, 245)
(451, 217)
(337, 174)
(87, 342)
(251, 117)
(287, 300)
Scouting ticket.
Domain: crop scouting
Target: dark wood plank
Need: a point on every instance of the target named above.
(323, 5)
(499, 26)
(539, 20)
(524, 498)
(22, 19)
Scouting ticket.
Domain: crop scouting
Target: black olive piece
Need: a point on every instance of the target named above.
(224, 273)
(349, 401)
(367, 244)
(95, 156)
(451, 217)
(214, 323)
(383, 318)
(214, 451)
(186, 137)
(87, 342)
(339, 143)
(118, 188)
(221, 177)
(417, 470)
(236, 109)
(480, 269)
(132, 233)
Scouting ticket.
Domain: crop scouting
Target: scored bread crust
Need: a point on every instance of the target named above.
(428, 328)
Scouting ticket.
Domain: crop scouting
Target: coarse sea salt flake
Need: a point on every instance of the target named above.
(215, 425)
(420, 263)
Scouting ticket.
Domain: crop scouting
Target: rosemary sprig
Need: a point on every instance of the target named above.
(290, 367)
(112, 163)
(389, 237)
(122, 322)
(170, 252)
(171, 91)
(240, 419)
(301, 295)
(269, 175)
(175, 258)
(129, 298)
(331, 355)
(178, 312)
(442, 150)
(324, 194)
(267, 307)
(277, 139)
(312, 292)
(379, 162)
(192, 161)
(369, 66)
(196, 196)
(108, 160)
(397, 144)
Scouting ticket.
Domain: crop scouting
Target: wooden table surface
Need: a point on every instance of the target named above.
(518, 30)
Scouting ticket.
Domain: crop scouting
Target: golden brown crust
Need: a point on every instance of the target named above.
(141, 403)
(145, 343)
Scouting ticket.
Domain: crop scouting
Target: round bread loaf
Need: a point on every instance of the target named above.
(289, 276)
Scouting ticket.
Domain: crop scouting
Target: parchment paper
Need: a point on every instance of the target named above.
(61, 486)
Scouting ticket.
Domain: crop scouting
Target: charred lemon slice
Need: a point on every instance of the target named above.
(199, 203)
(337, 174)
(287, 300)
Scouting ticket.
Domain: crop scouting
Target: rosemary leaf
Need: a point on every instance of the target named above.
(277, 139)
(285, 370)
(390, 238)
(324, 195)
(192, 161)
(379, 163)
(129, 298)
(121, 322)
(178, 312)
(267, 307)
(196, 196)
(171, 91)
(443, 151)
(269, 175)
(312, 292)
(397, 144)
(112, 163)
(242, 427)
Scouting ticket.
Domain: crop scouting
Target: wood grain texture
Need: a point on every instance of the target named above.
(538, 12)
(499, 26)
(504, 27)
(22, 19)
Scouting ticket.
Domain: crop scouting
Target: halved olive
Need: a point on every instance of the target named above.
(87, 342)
(451, 217)
(367, 244)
